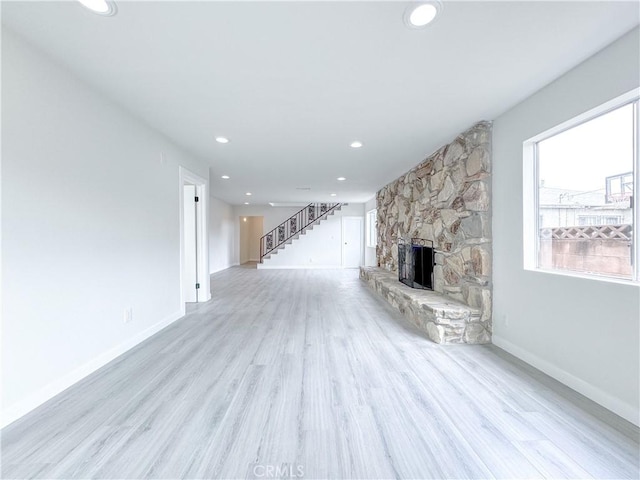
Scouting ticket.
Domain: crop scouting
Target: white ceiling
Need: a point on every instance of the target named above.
(293, 83)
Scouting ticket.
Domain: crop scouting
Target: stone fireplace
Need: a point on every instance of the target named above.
(446, 200)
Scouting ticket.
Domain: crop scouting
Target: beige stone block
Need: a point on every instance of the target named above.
(435, 181)
(437, 228)
(487, 306)
(456, 296)
(458, 175)
(435, 332)
(448, 216)
(458, 204)
(473, 296)
(426, 231)
(448, 189)
(453, 154)
(431, 214)
(483, 133)
(438, 279)
(424, 169)
(407, 205)
(475, 162)
(475, 333)
(402, 216)
(450, 276)
(476, 197)
(481, 260)
(472, 226)
(426, 191)
(454, 228)
(455, 263)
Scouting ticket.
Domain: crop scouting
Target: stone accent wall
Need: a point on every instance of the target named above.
(446, 199)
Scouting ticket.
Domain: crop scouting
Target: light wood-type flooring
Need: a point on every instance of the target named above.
(307, 374)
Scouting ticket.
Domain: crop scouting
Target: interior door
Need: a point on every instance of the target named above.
(352, 242)
(190, 269)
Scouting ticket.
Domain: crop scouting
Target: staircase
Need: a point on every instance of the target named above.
(295, 226)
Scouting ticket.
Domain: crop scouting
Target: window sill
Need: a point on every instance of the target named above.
(586, 276)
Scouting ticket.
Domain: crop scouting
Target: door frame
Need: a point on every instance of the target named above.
(187, 177)
(361, 219)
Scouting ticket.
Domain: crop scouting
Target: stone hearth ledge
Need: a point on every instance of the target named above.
(443, 319)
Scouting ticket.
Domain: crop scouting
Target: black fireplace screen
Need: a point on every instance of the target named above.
(415, 263)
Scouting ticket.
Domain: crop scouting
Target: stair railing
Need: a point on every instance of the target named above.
(294, 225)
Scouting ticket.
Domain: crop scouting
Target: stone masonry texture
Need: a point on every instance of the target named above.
(446, 199)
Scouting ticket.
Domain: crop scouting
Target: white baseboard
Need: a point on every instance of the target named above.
(15, 411)
(298, 267)
(222, 268)
(616, 405)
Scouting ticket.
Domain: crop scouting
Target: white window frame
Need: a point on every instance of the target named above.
(531, 224)
(372, 228)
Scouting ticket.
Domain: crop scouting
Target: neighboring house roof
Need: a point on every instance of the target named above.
(566, 198)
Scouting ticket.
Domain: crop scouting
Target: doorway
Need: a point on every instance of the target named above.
(351, 242)
(190, 266)
(251, 230)
(194, 254)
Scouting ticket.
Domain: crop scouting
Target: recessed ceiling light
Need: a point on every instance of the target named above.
(356, 144)
(333, 194)
(248, 194)
(101, 7)
(222, 140)
(422, 14)
(226, 177)
(341, 179)
(246, 203)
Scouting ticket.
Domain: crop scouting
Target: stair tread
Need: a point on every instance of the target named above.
(302, 231)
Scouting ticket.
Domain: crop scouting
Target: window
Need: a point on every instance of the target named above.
(372, 228)
(580, 210)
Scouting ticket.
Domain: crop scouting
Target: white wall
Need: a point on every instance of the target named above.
(583, 332)
(90, 225)
(273, 216)
(222, 244)
(317, 248)
(370, 259)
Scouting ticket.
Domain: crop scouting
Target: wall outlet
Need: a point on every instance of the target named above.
(128, 314)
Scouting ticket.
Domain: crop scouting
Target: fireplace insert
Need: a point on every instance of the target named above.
(415, 263)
